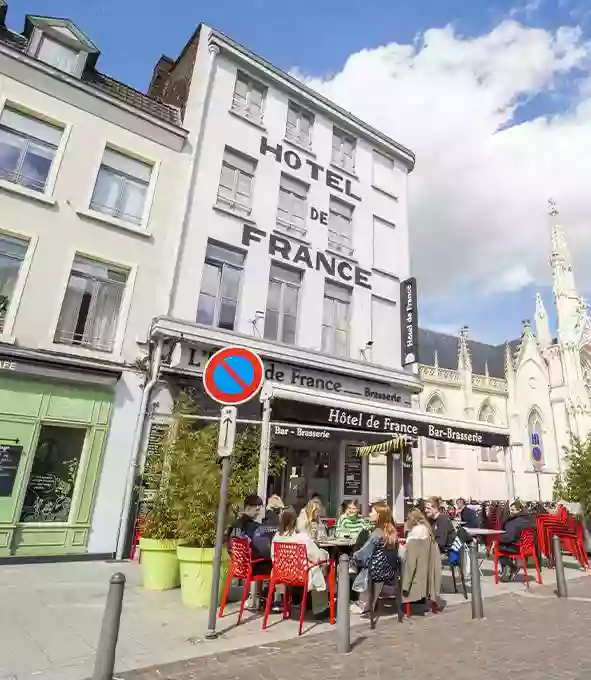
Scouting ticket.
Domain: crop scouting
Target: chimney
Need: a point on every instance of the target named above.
(159, 76)
(3, 11)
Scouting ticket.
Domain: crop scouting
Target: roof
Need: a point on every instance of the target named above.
(446, 347)
(124, 93)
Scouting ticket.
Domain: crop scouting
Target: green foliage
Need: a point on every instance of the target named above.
(187, 474)
(574, 485)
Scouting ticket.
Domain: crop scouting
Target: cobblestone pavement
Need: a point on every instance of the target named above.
(524, 635)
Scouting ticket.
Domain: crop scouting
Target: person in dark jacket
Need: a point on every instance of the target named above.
(263, 535)
(245, 527)
(467, 516)
(442, 526)
(512, 527)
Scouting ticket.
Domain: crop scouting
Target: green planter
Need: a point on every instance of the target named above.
(160, 564)
(196, 567)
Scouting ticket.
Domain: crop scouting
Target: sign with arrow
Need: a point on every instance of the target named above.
(227, 431)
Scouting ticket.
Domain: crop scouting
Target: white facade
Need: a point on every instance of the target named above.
(103, 210)
(538, 387)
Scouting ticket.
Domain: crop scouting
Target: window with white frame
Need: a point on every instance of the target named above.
(249, 97)
(383, 172)
(220, 286)
(92, 305)
(236, 179)
(27, 148)
(340, 225)
(299, 125)
(343, 149)
(12, 254)
(535, 432)
(121, 188)
(435, 449)
(57, 54)
(336, 319)
(291, 211)
(385, 331)
(282, 304)
(488, 454)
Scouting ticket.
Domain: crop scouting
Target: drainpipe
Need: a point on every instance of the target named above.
(136, 448)
(264, 451)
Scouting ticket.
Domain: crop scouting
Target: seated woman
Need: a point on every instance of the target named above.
(418, 528)
(380, 552)
(287, 533)
(350, 523)
(309, 521)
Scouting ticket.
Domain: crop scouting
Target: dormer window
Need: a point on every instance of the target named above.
(57, 54)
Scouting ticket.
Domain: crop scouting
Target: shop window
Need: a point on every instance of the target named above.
(12, 254)
(343, 150)
(91, 306)
(236, 179)
(121, 187)
(299, 125)
(535, 433)
(383, 172)
(340, 226)
(435, 449)
(220, 287)
(488, 454)
(335, 320)
(53, 476)
(249, 97)
(291, 211)
(282, 304)
(28, 147)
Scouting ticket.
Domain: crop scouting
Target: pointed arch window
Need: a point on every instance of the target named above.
(488, 454)
(535, 433)
(435, 449)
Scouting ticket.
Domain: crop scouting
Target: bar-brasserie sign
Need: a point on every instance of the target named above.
(316, 414)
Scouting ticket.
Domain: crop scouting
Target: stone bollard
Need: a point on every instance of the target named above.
(343, 607)
(561, 590)
(477, 607)
(104, 664)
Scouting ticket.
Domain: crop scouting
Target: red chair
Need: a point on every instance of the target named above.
(570, 532)
(241, 568)
(139, 525)
(527, 548)
(492, 521)
(291, 568)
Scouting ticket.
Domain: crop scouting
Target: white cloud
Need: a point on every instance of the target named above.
(479, 191)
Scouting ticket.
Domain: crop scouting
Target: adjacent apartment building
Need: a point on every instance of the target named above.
(92, 183)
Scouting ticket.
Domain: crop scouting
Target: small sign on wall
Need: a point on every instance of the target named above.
(409, 322)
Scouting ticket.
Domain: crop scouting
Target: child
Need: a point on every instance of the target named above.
(350, 523)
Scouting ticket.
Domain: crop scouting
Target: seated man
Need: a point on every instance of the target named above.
(442, 526)
(467, 516)
(517, 521)
(245, 527)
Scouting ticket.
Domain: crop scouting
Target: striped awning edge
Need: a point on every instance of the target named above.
(395, 445)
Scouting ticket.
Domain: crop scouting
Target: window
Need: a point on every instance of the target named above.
(282, 304)
(535, 430)
(340, 225)
(292, 204)
(385, 332)
(27, 149)
(343, 150)
(57, 54)
(383, 172)
(121, 187)
(91, 306)
(12, 254)
(220, 286)
(235, 190)
(385, 246)
(488, 454)
(335, 319)
(435, 448)
(299, 125)
(249, 97)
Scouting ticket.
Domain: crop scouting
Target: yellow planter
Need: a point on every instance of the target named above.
(196, 567)
(160, 564)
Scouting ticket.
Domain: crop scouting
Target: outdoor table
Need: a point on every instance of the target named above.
(477, 534)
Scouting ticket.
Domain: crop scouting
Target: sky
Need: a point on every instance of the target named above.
(493, 96)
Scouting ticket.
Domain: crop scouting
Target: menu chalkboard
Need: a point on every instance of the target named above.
(10, 458)
(353, 478)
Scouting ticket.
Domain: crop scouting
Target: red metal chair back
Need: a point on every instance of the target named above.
(240, 557)
(527, 542)
(562, 513)
(290, 563)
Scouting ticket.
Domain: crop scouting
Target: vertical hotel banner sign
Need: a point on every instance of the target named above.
(409, 322)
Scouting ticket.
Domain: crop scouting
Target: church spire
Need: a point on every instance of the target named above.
(562, 269)
(542, 324)
(464, 360)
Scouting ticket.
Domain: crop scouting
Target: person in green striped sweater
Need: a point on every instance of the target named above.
(350, 523)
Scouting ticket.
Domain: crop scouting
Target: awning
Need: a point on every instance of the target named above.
(395, 445)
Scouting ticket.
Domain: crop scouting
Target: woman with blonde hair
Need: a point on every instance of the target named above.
(309, 521)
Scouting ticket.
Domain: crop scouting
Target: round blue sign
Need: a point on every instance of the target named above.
(536, 454)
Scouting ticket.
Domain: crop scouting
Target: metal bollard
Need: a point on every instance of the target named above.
(561, 590)
(343, 610)
(104, 664)
(477, 607)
